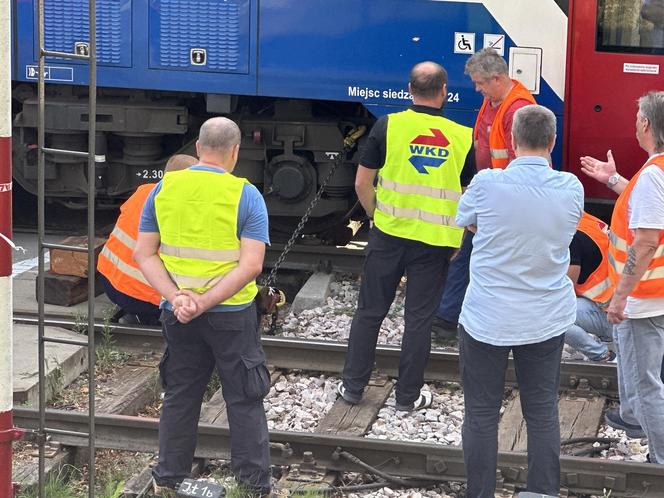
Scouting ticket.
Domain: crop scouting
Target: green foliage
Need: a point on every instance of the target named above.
(55, 487)
(112, 489)
(107, 354)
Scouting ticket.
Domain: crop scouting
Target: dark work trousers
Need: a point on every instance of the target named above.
(456, 283)
(147, 313)
(231, 342)
(388, 259)
(483, 369)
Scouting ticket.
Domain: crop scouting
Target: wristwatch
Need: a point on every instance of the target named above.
(613, 180)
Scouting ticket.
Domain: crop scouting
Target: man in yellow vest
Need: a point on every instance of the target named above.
(421, 160)
(589, 272)
(201, 245)
(123, 282)
(503, 96)
(636, 255)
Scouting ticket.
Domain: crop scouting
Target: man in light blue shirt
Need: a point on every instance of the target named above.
(519, 300)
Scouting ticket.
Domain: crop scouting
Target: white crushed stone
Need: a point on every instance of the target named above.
(298, 402)
(448, 490)
(634, 450)
(332, 321)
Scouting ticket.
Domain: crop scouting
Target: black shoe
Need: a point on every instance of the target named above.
(129, 319)
(348, 397)
(613, 419)
(444, 330)
(608, 357)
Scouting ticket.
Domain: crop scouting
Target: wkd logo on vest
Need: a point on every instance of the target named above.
(429, 151)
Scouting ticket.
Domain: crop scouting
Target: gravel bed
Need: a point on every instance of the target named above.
(297, 402)
(629, 449)
(332, 321)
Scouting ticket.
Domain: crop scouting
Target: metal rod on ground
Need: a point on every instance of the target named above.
(7, 431)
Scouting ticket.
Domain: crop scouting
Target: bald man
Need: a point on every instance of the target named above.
(420, 160)
(201, 245)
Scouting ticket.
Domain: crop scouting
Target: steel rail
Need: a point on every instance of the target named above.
(424, 461)
(348, 259)
(325, 356)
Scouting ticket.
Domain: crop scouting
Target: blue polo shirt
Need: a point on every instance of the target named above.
(252, 222)
(526, 216)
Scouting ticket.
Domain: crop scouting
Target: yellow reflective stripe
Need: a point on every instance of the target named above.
(189, 281)
(405, 188)
(416, 214)
(596, 290)
(124, 237)
(617, 242)
(499, 153)
(124, 267)
(197, 253)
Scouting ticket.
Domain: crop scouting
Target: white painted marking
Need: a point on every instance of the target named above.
(464, 43)
(495, 41)
(6, 381)
(28, 264)
(5, 187)
(546, 28)
(631, 67)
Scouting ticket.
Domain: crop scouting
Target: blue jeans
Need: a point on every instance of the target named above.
(590, 319)
(456, 283)
(482, 367)
(640, 346)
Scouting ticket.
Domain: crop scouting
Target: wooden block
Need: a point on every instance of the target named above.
(73, 263)
(129, 391)
(579, 417)
(66, 290)
(355, 420)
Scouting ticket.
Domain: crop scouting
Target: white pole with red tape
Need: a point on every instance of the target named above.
(7, 431)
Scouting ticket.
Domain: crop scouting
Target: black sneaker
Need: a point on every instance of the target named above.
(613, 419)
(348, 397)
(608, 357)
(424, 401)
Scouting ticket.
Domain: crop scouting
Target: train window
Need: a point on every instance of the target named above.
(635, 26)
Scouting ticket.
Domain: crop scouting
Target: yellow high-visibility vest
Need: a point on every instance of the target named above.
(419, 185)
(197, 214)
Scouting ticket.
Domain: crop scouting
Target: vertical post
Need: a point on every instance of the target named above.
(7, 433)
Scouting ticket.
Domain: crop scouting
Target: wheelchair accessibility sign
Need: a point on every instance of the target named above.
(464, 43)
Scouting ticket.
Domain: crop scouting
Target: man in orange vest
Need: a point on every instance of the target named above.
(636, 255)
(589, 271)
(123, 282)
(503, 96)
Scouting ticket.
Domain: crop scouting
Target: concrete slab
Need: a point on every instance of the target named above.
(313, 293)
(25, 301)
(64, 362)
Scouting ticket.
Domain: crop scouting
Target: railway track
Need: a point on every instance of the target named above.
(343, 448)
(328, 357)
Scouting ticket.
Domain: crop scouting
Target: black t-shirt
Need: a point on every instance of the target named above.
(584, 252)
(373, 153)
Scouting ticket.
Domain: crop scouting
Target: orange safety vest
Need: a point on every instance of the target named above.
(116, 261)
(598, 286)
(497, 139)
(621, 237)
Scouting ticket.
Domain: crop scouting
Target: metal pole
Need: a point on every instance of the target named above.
(41, 143)
(7, 431)
(92, 187)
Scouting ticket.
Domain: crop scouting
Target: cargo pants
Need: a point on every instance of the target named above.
(231, 342)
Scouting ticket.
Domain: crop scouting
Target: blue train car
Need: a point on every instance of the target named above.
(296, 75)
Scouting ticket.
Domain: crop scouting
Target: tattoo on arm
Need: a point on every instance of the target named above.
(630, 264)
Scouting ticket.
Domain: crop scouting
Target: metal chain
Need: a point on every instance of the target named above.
(349, 142)
(300, 226)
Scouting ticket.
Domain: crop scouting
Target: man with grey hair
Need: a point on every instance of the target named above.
(636, 256)
(519, 300)
(201, 244)
(503, 96)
